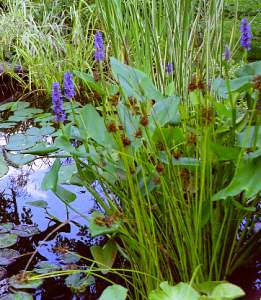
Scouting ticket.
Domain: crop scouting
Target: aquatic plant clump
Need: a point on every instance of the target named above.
(99, 53)
(68, 84)
(59, 115)
(246, 35)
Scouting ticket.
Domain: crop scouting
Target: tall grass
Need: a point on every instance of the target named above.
(47, 38)
(150, 34)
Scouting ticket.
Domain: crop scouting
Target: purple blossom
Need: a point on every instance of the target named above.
(246, 35)
(59, 115)
(99, 53)
(227, 53)
(68, 85)
(169, 68)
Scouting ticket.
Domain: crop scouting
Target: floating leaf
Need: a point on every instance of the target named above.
(181, 291)
(3, 166)
(38, 203)
(70, 258)
(97, 228)
(19, 160)
(7, 240)
(78, 282)
(21, 142)
(41, 149)
(115, 292)
(26, 283)
(8, 256)
(6, 227)
(24, 230)
(45, 267)
(17, 296)
(105, 256)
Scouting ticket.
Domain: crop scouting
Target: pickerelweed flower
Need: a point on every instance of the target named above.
(227, 53)
(246, 35)
(68, 85)
(169, 68)
(99, 53)
(59, 115)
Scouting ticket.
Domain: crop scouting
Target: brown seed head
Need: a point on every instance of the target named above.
(144, 121)
(257, 83)
(177, 154)
(160, 167)
(112, 127)
(125, 140)
(138, 133)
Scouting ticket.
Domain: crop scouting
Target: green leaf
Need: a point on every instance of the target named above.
(44, 267)
(181, 291)
(3, 166)
(250, 137)
(8, 256)
(70, 258)
(26, 283)
(65, 195)
(246, 179)
(227, 291)
(166, 111)
(66, 172)
(17, 296)
(224, 153)
(133, 82)
(21, 141)
(115, 292)
(19, 160)
(38, 203)
(253, 69)
(24, 230)
(7, 240)
(79, 283)
(50, 179)
(105, 256)
(97, 228)
(41, 149)
(44, 131)
(91, 124)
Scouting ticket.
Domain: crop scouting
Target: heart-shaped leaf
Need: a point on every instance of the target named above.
(7, 240)
(115, 292)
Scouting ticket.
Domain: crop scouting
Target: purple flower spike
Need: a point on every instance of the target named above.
(246, 35)
(68, 85)
(227, 53)
(169, 68)
(99, 53)
(59, 115)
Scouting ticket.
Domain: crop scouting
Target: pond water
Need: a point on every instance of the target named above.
(23, 185)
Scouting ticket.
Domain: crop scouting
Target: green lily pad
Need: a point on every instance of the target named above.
(45, 267)
(105, 256)
(17, 296)
(115, 292)
(24, 230)
(3, 166)
(26, 283)
(8, 256)
(21, 142)
(18, 159)
(7, 240)
(227, 291)
(6, 227)
(78, 282)
(70, 258)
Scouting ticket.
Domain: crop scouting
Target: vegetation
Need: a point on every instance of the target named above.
(171, 134)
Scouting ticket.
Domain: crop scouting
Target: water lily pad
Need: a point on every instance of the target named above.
(18, 283)
(70, 258)
(3, 166)
(7, 240)
(24, 230)
(6, 227)
(21, 142)
(45, 267)
(98, 227)
(17, 296)
(19, 160)
(78, 282)
(8, 256)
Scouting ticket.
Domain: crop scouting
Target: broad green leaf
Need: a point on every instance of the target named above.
(224, 153)
(207, 287)
(250, 137)
(8, 256)
(114, 292)
(246, 179)
(253, 69)
(38, 203)
(24, 230)
(65, 195)
(70, 258)
(227, 291)
(26, 283)
(45, 267)
(20, 160)
(133, 82)
(166, 111)
(46, 130)
(50, 179)
(41, 149)
(105, 256)
(7, 240)
(66, 172)
(78, 282)
(21, 141)
(17, 296)
(92, 124)
(3, 166)
(181, 291)
(97, 227)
